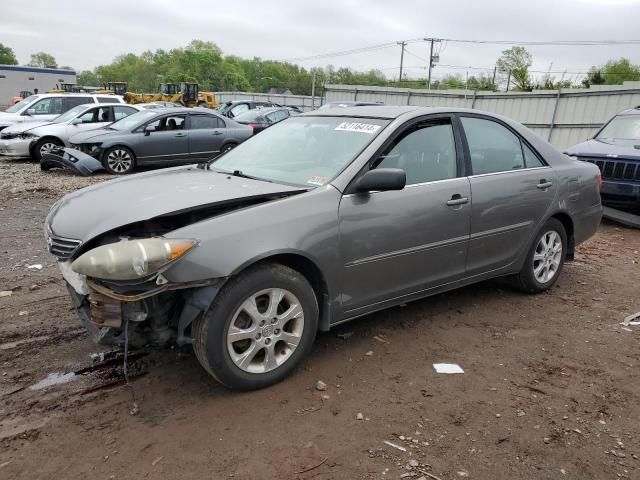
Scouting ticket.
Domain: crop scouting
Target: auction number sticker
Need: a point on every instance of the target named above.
(358, 127)
(318, 180)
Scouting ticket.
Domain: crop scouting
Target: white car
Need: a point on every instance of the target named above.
(46, 107)
(33, 139)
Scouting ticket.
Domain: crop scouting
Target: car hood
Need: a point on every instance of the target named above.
(92, 211)
(24, 126)
(96, 135)
(9, 118)
(594, 148)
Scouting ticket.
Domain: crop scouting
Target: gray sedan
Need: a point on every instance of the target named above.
(318, 220)
(164, 136)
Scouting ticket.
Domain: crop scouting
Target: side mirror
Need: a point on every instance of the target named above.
(76, 121)
(382, 179)
(148, 129)
(31, 111)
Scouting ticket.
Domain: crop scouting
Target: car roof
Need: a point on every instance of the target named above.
(631, 111)
(390, 112)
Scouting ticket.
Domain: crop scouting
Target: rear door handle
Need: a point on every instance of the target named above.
(457, 199)
(544, 184)
(181, 134)
(217, 132)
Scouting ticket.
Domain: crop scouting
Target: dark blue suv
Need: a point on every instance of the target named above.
(615, 149)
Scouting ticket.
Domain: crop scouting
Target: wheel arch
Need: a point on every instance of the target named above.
(569, 228)
(32, 147)
(308, 268)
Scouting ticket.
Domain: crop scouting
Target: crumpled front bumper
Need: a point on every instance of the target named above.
(72, 159)
(15, 147)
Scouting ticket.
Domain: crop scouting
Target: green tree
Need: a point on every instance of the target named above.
(88, 78)
(617, 71)
(7, 57)
(42, 59)
(516, 61)
(594, 77)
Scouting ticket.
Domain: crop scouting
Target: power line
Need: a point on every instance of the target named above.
(547, 42)
(349, 52)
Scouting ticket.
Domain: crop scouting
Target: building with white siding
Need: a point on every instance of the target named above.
(15, 78)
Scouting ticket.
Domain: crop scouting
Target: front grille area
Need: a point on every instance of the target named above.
(61, 247)
(614, 169)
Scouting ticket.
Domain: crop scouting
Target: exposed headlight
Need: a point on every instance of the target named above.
(572, 157)
(131, 259)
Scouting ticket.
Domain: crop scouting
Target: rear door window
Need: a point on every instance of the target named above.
(203, 122)
(70, 102)
(493, 148)
(238, 109)
(121, 112)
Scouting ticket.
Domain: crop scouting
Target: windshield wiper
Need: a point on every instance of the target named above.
(238, 173)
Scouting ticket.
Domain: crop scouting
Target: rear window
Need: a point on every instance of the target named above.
(108, 100)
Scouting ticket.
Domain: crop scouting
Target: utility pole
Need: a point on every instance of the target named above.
(313, 91)
(508, 80)
(432, 59)
(493, 79)
(402, 44)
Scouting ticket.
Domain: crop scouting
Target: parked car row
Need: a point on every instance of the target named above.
(166, 136)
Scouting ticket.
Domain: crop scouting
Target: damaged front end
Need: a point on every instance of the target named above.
(74, 160)
(157, 315)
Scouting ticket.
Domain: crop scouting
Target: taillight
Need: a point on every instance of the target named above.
(599, 182)
(253, 125)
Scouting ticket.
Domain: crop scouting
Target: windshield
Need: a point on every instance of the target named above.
(69, 114)
(305, 151)
(21, 104)
(622, 129)
(132, 121)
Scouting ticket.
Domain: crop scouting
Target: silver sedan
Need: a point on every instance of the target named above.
(318, 220)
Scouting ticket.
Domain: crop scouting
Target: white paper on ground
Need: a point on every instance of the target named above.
(448, 368)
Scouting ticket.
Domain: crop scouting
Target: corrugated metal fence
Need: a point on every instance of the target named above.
(563, 117)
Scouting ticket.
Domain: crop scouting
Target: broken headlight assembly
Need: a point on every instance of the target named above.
(21, 136)
(131, 259)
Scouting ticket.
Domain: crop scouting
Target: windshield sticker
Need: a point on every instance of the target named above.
(358, 127)
(317, 180)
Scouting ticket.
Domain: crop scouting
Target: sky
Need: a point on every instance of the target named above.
(86, 34)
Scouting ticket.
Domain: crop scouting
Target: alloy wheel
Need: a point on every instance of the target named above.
(265, 330)
(47, 147)
(119, 160)
(547, 257)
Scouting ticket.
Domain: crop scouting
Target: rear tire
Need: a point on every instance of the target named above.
(119, 160)
(545, 259)
(258, 329)
(45, 145)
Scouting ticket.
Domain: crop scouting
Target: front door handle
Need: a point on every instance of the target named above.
(544, 184)
(181, 135)
(457, 199)
(217, 132)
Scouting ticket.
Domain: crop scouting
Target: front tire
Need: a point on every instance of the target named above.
(545, 258)
(258, 329)
(45, 145)
(118, 160)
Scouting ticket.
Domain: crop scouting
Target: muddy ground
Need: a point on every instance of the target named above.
(550, 388)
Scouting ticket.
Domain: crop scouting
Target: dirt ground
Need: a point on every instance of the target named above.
(550, 388)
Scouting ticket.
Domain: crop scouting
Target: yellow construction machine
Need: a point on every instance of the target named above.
(187, 94)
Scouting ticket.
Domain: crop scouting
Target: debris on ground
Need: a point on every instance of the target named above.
(6, 293)
(633, 319)
(447, 368)
(369, 353)
(359, 416)
(321, 386)
(398, 447)
(35, 266)
(345, 335)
